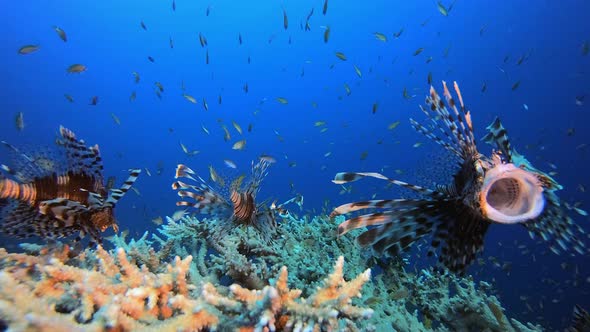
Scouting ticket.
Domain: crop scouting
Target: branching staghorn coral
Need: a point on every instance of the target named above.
(42, 292)
(279, 308)
(47, 293)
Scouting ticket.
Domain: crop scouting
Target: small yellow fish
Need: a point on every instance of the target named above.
(76, 68)
(237, 183)
(380, 36)
(327, 154)
(347, 89)
(226, 136)
(417, 144)
(116, 119)
(178, 215)
(189, 98)
(28, 49)
(239, 145)
(60, 33)
(341, 56)
(327, 34)
(282, 100)
(319, 123)
(268, 158)
(323, 130)
(158, 221)
(215, 177)
(188, 153)
(20, 121)
(237, 126)
(136, 76)
(357, 71)
(205, 105)
(229, 163)
(393, 125)
(418, 51)
(442, 9)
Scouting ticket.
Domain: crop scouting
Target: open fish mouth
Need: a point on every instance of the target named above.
(511, 195)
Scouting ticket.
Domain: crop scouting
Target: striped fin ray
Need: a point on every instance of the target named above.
(457, 126)
(396, 209)
(432, 136)
(22, 220)
(498, 136)
(346, 177)
(81, 158)
(372, 204)
(205, 198)
(27, 166)
(457, 234)
(116, 194)
(63, 209)
(463, 117)
(259, 172)
(556, 227)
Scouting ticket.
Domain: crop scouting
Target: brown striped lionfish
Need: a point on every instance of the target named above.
(236, 207)
(53, 197)
(504, 188)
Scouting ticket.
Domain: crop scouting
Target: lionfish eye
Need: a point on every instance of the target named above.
(511, 195)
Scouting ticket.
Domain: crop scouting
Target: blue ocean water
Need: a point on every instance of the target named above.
(479, 42)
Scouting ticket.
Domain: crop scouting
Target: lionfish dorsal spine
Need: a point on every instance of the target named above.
(116, 194)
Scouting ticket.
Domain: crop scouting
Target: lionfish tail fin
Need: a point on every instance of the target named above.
(202, 196)
(498, 136)
(116, 194)
(346, 177)
(454, 123)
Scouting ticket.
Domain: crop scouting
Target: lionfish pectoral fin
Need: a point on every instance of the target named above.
(202, 196)
(346, 177)
(62, 209)
(116, 194)
(454, 228)
(395, 230)
(556, 227)
(498, 136)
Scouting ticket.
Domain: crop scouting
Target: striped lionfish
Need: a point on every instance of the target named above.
(53, 198)
(504, 188)
(238, 206)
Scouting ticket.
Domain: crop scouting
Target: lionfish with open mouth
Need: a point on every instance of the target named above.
(503, 188)
(51, 197)
(237, 208)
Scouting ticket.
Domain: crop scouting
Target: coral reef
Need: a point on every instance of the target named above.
(238, 283)
(53, 292)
